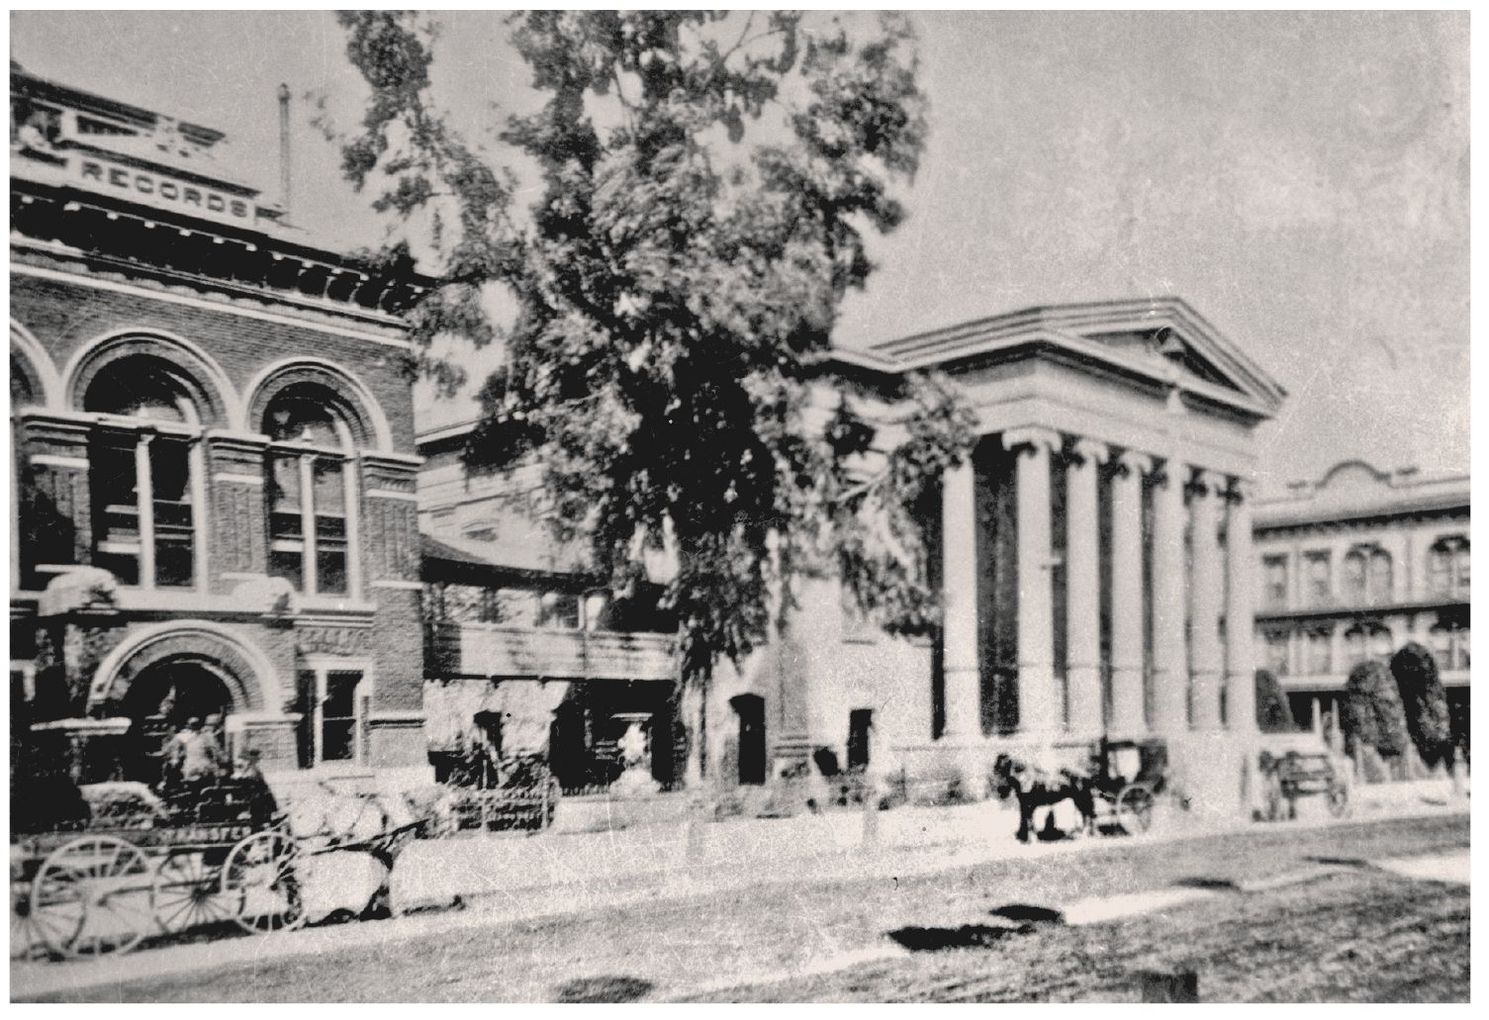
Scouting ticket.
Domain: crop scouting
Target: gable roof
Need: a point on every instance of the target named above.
(1160, 338)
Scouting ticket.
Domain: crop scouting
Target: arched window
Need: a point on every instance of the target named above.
(1320, 643)
(144, 473)
(1450, 645)
(310, 491)
(1366, 641)
(1447, 566)
(1367, 575)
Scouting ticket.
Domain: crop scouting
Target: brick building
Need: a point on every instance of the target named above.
(1355, 565)
(214, 468)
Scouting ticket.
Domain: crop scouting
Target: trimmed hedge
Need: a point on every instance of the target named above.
(1425, 704)
(1371, 712)
(1273, 713)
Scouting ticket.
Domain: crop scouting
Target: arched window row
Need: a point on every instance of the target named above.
(145, 516)
(37, 382)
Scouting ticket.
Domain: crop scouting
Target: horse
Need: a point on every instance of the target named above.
(1037, 787)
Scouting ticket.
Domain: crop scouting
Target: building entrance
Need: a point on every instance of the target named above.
(160, 703)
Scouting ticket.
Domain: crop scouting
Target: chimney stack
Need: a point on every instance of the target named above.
(284, 147)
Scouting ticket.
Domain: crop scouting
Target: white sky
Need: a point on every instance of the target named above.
(1301, 179)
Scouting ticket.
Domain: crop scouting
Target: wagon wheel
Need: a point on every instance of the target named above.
(25, 935)
(189, 894)
(259, 878)
(1338, 800)
(1135, 809)
(92, 897)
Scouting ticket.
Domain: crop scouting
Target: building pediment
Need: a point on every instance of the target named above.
(1163, 340)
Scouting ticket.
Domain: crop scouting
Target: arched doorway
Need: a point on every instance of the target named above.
(751, 711)
(160, 702)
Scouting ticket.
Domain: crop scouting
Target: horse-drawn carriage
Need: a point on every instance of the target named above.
(138, 865)
(1125, 778)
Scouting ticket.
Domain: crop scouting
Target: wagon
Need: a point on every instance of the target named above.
(227, 858)
(1127, 778)
(1295, 775)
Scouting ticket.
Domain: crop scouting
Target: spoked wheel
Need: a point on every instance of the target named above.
(25, 937)
(189, 894)
(260, 878)
(1135, 809)
(92, 897)
(1338, 800)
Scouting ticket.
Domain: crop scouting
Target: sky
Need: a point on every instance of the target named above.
(1300, 179)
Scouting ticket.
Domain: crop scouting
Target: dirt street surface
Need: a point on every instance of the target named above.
(993, 931)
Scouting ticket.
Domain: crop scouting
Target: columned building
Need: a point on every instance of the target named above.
(1355, 565)
(1094, 546)
(212, 491)
(1091, 553)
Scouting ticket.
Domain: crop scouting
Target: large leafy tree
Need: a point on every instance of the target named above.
(705, 185)
(1425, 702)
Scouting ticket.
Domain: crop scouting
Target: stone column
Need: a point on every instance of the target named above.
(1170, 665)
(1206, 592)
(1083, 587)
(963, 683)
(1127, 594)
(1038, 705)
(1240, 663)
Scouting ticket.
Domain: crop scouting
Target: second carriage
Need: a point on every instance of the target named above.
(1128, 777)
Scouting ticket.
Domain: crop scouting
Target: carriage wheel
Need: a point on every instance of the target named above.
(1135, 809)
(1338, 800)
(92, 897)
(260, 879)
(25, 936)
(188, 894)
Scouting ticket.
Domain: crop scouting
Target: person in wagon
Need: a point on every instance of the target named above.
(196, 759)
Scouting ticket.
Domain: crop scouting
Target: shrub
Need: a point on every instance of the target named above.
(1425, 704)
(1273, 713)
(1371, 712)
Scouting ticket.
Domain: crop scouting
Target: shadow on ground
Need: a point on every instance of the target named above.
(606, 988)
(1025, 917)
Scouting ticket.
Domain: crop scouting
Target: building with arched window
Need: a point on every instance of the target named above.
(214, 467)
(1354, 566)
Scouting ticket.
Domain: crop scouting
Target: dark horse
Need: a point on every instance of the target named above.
(1038, 788)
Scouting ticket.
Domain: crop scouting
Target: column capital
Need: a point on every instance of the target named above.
(1205, 482)
(1089, 451)
(1242, 490)
(1032, 438)
(1135, 463)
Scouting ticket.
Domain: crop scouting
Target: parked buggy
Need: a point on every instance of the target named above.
(1295, 775)
(1129, 793)
(214, 855)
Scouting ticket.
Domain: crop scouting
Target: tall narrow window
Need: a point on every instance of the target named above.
(142, 474)
(340, 719)
(1320, 590)
(309, 492)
